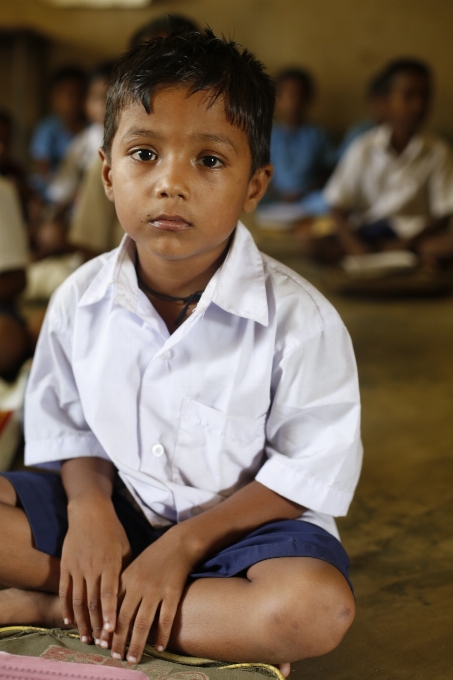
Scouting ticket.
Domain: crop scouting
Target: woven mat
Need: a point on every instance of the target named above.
(63, 645)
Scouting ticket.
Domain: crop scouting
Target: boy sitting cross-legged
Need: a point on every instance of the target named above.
(393, 188)
(199, 399)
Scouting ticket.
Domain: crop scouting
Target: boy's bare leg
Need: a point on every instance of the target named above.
(24, 567)
(285, 610)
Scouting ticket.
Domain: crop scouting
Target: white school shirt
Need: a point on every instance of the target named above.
(13, 235)
(375, 183)
(259, 382)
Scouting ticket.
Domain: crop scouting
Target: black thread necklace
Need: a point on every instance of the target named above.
(187, 300)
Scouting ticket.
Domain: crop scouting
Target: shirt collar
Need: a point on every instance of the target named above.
(238, 286)
(383, 135)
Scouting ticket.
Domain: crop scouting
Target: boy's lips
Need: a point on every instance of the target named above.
(170, 223)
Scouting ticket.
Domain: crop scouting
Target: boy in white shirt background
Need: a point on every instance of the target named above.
(393, 188)
(199, 399)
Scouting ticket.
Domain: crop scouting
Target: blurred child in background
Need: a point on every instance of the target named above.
(393, 189)
(84, 147)
(301, 153)
(54, 134)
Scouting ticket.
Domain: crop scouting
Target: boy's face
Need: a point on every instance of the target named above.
(408, 101)
(180, 176)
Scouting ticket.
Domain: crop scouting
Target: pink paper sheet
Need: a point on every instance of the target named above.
(15, 667)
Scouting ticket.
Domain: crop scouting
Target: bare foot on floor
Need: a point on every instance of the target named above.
(26, 607)
(285, 669)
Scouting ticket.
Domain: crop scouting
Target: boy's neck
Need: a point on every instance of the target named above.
(179, 278)
(401, 137)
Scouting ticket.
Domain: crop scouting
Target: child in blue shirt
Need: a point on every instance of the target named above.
(301, 152)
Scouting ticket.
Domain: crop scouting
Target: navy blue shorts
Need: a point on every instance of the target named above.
(381, 230)
(44, 501)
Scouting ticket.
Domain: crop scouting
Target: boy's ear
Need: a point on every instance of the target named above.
(106, 175)
(257, 187)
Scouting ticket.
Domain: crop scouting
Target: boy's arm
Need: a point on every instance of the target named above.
(165, 565)
(349, 241)
(95, 549)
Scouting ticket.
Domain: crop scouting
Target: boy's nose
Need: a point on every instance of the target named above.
(172, 181)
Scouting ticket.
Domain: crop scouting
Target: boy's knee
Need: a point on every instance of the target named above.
(311, 621)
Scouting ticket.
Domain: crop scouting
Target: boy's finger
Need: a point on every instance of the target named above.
(79, 606)
(124, 621)
(167, 615)
(65, 595)
(140, 632)
(94, 608)
(109, 601)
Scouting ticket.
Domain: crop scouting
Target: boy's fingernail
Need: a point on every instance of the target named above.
(115, 655)
(160, 648)
(84, 638)
(104, 644)
(107, 627)
(97, 641)
(132, 659)
(66, 622)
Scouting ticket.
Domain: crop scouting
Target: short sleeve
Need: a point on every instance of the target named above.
(313, 448)
(441, 184)
(342, 189)
(55, 426)
(13, 236)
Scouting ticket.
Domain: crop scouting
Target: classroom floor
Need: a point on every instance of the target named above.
(399, 531)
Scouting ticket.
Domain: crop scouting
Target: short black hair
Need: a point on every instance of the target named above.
(399, 67)
(168, 23)
(200, 61)
(302, 76)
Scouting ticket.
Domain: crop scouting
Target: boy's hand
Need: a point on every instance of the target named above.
(150, 591)
(95, 552)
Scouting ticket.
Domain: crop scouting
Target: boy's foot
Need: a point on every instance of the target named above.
(27, 607)
(284, 668)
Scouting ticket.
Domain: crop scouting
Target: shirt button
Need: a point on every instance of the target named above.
(166, 355)
(158, 450)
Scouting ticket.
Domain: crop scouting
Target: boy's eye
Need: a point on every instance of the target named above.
(144, 155)
(211, 162)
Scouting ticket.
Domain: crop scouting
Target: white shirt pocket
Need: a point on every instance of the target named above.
(215, 451)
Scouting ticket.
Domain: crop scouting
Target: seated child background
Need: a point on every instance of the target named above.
(393, 188)
(54, 133)
(50, 236)
(199, 399)
(301, 153)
